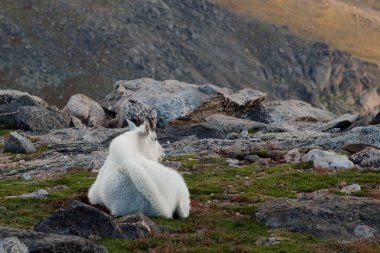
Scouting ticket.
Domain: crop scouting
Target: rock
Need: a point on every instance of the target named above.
(244, 135)
(252, 158)
(367, 158)
(12, 245)
(266, 241)
(37, 194)
(26, 177)
(351, 188)
(201, 131)
(12, 100)
(328, 160)
(364, 135)
(133, 110)
(76, 123)
(85, 109)
(340, 122)
(233, 124)
(324, 216)
(232, 162)
(290, 114)
(51, 243)
(293, 156)
(32, 118)
(3, 209)
(137, 226)
(232, 136)
(80, 220)
(365, 232)
(88, 222)
(177, 102)
(357, 147)
(18, 144)
(376, 119)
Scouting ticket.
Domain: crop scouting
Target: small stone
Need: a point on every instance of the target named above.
(364, 231)
(12, 245)
(3, 209)
(266, 241)
(233, 162)
(244, 135)
(252, 158)
(37, 194)
(18, 144)
(265, 161)
(76, 123)
(351, 188)
(232, 136)
(26, 177)
(293, 156)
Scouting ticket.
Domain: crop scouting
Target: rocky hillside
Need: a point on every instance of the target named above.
(277, 176)
(58, 48)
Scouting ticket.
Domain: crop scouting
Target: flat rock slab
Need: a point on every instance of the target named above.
(51, 243)
(324, 216)
(291, 114)
(340, 122)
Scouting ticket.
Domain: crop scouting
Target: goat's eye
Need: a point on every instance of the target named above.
(155, 138)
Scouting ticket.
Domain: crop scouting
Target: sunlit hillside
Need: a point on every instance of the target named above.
(350, 25)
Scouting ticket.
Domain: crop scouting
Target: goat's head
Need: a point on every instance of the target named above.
(147, 139)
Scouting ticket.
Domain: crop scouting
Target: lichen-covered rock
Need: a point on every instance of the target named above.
(33, 118)
(324, 216)
(367, 158)
(17, 143)
(177, 102)
(340, 122)
(135, 111)
(89, 222)
(328, 160)
(85, 109)
(51, 243)
(12, 100)
(291, 114)
(80, 220)
(201, 131)
(293, 156)
(12, 245)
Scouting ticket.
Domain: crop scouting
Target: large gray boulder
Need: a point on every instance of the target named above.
(33, 118)
(11, 100)
(17, 143)
(324, 216)
(328, 160)
(85, 109)
(12, 245)
(51, 243)
(291, 114)
(176, 102)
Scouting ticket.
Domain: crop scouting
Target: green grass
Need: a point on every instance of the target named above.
(224, 203)
(24, 213)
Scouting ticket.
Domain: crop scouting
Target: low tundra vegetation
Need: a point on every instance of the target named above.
(224, 202)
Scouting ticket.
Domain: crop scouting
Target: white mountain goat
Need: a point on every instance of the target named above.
(132, 180)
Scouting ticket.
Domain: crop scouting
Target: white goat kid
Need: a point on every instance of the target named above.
(131, 179)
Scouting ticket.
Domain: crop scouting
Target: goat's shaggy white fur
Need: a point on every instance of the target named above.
(132, 180)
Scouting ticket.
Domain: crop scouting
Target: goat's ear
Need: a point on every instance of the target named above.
(152, 124)
(146, 128)
(131, 125)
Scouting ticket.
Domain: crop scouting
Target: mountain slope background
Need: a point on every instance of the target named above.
(58, 48)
